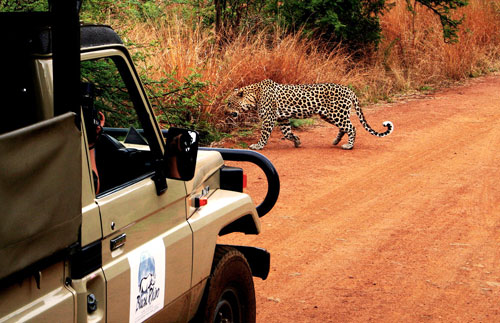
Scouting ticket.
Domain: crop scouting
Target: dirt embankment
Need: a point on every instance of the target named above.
(404, 228)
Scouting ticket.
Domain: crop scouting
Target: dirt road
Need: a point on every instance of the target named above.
(404, 228)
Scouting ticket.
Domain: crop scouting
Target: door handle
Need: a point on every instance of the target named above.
(117, 242)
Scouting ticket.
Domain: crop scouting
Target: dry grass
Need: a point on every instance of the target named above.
(414, 51)
(411, 55)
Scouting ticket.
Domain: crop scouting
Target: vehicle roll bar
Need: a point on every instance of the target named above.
(273, 180)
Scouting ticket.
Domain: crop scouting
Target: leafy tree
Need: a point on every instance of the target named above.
(442, 8)
(355, 22)
(228, 17)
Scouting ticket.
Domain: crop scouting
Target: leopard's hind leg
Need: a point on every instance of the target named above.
(351, 132)
(339, 137)
(345, 127)
(286, 129)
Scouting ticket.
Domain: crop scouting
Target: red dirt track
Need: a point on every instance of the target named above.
(404, 228)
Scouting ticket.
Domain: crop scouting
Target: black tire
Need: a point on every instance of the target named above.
(229, 294)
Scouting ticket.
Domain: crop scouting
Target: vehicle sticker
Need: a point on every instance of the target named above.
(147, 280)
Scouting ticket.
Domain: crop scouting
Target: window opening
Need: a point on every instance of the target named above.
(107, 103)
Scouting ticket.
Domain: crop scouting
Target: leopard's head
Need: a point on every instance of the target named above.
(241, 100)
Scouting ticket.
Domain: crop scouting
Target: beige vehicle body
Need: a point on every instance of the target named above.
(129, 252)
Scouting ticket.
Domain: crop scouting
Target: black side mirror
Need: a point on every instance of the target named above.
(181, 151)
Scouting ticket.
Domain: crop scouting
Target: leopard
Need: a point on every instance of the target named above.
(278, 103)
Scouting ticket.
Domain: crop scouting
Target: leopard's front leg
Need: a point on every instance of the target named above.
(267, 128)
(286, 129)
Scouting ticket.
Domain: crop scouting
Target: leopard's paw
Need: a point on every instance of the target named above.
(256, 147)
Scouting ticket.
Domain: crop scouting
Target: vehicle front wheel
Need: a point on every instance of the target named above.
(229, 295)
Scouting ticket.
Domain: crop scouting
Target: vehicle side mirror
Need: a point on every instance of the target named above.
(181, 151)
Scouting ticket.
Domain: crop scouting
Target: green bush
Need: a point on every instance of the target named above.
(23, 6)
(354, 22)
(178, 103)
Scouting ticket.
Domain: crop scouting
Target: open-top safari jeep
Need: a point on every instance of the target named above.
(106, 221)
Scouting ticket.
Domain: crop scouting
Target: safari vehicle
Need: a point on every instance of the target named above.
(107, 220)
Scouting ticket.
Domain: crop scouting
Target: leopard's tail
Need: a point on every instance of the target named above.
(359, 112)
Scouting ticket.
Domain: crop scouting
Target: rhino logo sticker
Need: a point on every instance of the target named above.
(147, 280)
(148, 292)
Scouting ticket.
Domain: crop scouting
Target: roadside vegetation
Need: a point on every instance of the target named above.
(192, 53)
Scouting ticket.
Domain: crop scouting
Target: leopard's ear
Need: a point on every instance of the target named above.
(239, 92)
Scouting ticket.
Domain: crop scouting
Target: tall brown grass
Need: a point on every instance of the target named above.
(413, 49)
(412, 55)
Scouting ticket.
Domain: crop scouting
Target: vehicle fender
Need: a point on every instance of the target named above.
(223, 208)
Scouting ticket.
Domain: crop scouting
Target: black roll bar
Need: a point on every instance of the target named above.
(273, 180)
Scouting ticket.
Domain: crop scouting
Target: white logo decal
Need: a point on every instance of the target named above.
(147, 280)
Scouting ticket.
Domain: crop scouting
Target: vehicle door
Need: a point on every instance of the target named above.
(147, 242)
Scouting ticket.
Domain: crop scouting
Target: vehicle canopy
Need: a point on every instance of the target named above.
(40, 192)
